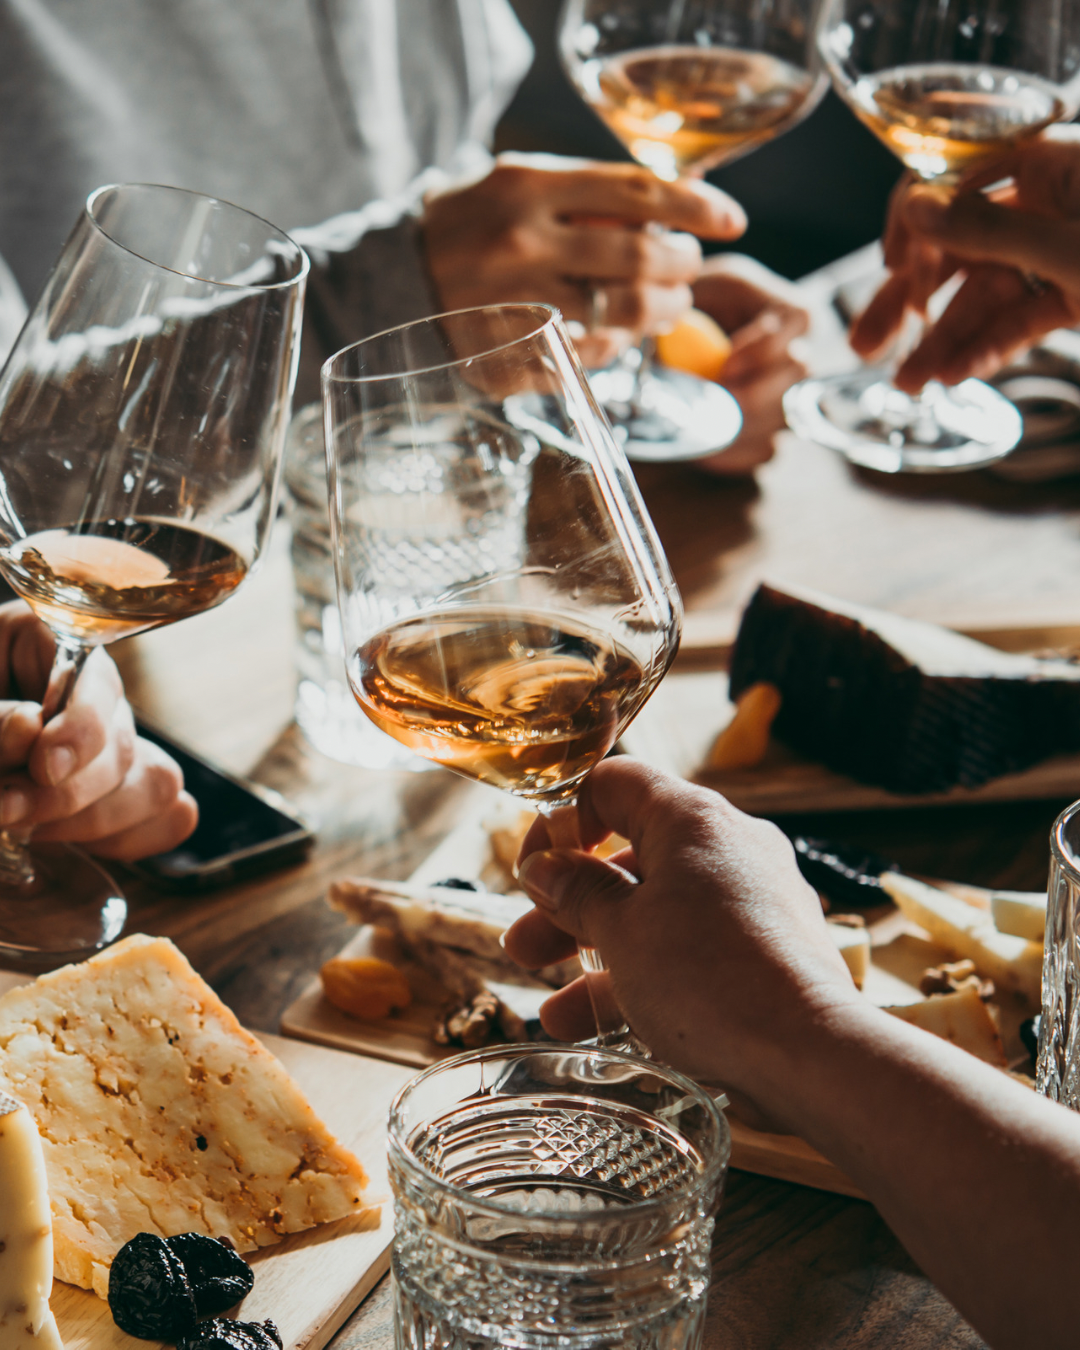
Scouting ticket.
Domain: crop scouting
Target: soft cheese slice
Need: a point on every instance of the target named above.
(159, 1113)
(1021, 913)
(1015, 965)
(26, 1247)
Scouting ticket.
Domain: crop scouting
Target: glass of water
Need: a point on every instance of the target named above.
(553, 1196)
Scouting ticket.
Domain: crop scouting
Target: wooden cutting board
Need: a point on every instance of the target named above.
(899, 954)
(311, 1282)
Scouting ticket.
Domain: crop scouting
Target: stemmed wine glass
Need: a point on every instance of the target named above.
(505, 603)
(686, 85)
(143, 412)
(946, 85)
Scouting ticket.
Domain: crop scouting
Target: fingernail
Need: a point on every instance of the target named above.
(543, 875)
(927, 211)
(14, 806)
(59, 764)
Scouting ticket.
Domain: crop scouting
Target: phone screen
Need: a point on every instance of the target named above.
(238, 832)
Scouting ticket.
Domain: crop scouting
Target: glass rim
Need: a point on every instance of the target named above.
(707, 1178)
(554, 316)
(303, 262)
(1059, 846)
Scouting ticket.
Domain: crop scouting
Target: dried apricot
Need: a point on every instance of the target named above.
(743, 742)
(364, 986)
(696, 344)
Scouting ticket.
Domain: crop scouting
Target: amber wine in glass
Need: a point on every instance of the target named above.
(506, 606)
(947, 87)
(142, 418)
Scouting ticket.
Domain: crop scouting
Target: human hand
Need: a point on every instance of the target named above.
(717, 949)
(547, 229)
(1016, 248)
(761, 314)
(85, 777)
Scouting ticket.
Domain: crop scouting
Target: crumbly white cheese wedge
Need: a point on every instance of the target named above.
(1014, 964)
(26, 1247)
(962, 1018)
(1021, 913)
(853, 945)
(160, 1113)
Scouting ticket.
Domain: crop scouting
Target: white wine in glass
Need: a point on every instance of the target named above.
(506, 606)
(686, 85)
(143, 412)
(947, 86)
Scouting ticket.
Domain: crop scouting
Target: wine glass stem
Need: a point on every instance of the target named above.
(611, 1028)
(16, 863)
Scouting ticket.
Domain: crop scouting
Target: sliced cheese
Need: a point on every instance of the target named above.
(26, 1246)
(1022, 913)
(961, 1017)
(1014, 964)
(853, 945)
(159, 1113)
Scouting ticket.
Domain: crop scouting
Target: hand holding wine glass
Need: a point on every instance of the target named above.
(142, 418)
(1019, 253)
(505, 604)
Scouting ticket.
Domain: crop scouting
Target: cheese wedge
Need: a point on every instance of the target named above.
(159, 1113)
(853, 944)
(1021, 913)
(1015, 965)
(961, 1017)
(26, 1247)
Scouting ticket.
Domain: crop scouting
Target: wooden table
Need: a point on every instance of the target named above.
(795, 1268)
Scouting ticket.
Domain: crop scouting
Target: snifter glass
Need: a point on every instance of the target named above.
(947, 86)
(553, 1198)
(505, 603)
(143, 412)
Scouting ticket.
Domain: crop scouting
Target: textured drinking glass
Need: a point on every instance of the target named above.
(1058, 1072)
(505, 603)
(143, 412)
(553, 1197)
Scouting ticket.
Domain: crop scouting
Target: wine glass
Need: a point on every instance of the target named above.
(946, 86)
(143, 412)
(505, 603)
(686, 85)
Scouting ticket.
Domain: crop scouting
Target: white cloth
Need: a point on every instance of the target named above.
(328, 117)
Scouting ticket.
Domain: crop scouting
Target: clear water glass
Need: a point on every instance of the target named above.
(1058, 1072)
(553, 1196)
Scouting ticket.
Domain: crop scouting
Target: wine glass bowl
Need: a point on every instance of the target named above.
(505, 604)
(143, 412)
(947, 87)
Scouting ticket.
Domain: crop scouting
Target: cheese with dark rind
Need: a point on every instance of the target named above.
(26, 1248)
(905, 705)
(160, 1113)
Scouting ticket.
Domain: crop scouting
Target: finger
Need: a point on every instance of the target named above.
(534, 941)
(148, 789)
(641, 308)
(631, 193)
(159, 835)
(764, 341)
(597, 350)
(78, 736)
(97, 779)
(568, 1015)
(880, 321)
(735, 289)
(895, 240)
(571, 887)
(27, 653)
(760, 396)
(596, 254)
(992, 317)
(975, 228)
(20, 725)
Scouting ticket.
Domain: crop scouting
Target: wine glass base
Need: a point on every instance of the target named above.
(872, 423)
(72, 909)
(663, 415)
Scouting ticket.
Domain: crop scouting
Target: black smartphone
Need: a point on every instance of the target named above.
(242, 828)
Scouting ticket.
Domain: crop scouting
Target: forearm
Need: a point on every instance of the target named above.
(977, 1176)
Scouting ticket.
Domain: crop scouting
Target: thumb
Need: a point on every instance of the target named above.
(975, 228)
(577, 891)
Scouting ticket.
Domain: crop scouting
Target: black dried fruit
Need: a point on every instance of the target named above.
(149, 1293)
(219, 1278)
(221, 1334)
(460, 884)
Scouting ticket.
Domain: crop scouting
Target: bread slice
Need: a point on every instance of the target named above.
(159, 1113)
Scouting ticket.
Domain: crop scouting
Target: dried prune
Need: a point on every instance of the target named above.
(219, 1278)
(221, 1334)
(149, 1293)
(460, 884)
